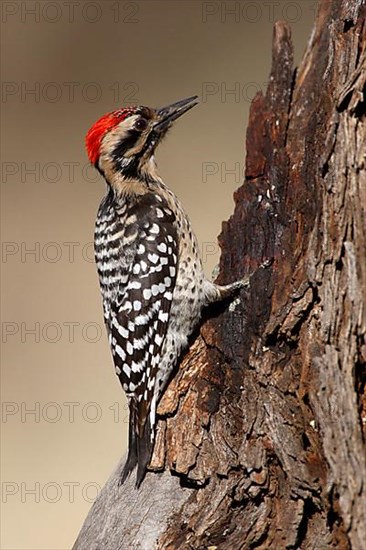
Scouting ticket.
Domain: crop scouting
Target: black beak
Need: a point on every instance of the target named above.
(166, 115)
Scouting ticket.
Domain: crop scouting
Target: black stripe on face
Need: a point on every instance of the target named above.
(133, 135)
(132, 170)
(125, 145)
(131, 166)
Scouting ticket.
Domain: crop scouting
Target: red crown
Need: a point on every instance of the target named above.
(105, 124)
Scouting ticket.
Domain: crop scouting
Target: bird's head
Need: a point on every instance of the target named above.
(123, 142)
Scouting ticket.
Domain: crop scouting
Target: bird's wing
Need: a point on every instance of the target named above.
(139, 318)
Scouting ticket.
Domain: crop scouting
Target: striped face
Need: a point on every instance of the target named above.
(122, 143)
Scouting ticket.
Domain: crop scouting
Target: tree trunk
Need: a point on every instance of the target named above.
(261, 437)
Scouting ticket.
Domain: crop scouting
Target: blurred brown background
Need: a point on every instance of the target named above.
(64, 418)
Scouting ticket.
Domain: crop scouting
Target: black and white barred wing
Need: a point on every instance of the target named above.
(139, 322)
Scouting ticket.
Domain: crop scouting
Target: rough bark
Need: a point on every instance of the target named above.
(262, 429)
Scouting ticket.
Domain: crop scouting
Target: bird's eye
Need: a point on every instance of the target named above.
(141, 124)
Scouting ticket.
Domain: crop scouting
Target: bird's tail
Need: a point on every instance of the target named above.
(140, 447)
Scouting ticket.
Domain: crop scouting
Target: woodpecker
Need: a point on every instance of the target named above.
(151, 276)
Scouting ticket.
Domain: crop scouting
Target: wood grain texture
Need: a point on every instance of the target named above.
(261, 438)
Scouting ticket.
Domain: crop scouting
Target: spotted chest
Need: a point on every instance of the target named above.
(189, 298)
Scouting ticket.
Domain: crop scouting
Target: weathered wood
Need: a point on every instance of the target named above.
(262, 430)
